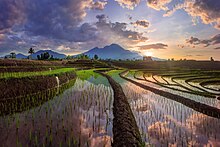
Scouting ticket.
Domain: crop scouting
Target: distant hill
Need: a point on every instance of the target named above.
(115, 51)
(55, 54)
(21, 56)
(18, 56)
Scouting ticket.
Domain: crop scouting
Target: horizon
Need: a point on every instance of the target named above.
(179, 29)
(109, 45)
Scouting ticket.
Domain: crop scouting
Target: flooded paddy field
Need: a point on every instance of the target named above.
(80, 116)
(75, 107)
(163, 122)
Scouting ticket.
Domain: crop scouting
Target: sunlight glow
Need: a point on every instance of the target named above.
(148, 53)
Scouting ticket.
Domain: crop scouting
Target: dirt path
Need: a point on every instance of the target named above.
(125, 129)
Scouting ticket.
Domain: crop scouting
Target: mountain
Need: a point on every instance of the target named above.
(55, 54)
(115, 51)
(158, 59)
(21, 56)
(18, 56)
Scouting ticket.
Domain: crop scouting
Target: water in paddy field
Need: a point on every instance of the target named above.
(163, 122)
(81, 116)
(202, 99)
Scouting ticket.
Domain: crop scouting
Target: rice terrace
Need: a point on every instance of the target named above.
(109, 73)
(86, 102)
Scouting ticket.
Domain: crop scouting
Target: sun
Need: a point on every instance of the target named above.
(148, 53)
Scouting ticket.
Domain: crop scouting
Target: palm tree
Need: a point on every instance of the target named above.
(31, 51)
(13, 55)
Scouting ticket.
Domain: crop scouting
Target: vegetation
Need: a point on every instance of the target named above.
(160, 106)
(96, 57)
(45, 56)
(31, 74)
(31, 51)
(82, 56)
(13, 55)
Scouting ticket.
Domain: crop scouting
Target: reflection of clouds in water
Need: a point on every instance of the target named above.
(97, 138)
(206, 127)
(81, 85)
(159, 133)
(94, 106)
(79, 114)
(144, 108)
(167, 123)
(218, 104)
(100, 141)
(199, 130)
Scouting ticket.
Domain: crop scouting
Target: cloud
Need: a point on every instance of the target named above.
(141, 23)
(206, 42)
(99, 5)
(57, 19)
(153, 46)
(46, 23)
(102, 18)
(130, 4)
(181, 45)
(2, 37)
(155, 4)
(206, 10)
(174, 9)
(11, 13)
(217, 48)
(67, 34)
(117, 32)
(158, 4)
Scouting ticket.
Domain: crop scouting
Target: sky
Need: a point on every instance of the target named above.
(179, 29)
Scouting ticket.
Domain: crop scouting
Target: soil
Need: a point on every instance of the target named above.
(26, 69)
(21, 104)
(11, 88)
(125, 129)
(26, 62)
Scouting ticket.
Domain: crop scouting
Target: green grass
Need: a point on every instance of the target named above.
(8, 75)
(114, 72)
(115, 75)
(86, 74)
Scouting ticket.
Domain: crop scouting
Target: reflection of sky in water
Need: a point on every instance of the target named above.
(209, 101)
(98, 80)
(209, 90)
(82, 115)
(164, 122)
(214, 86)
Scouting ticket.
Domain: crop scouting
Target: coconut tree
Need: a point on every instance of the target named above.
(13, 55)
(31, 51)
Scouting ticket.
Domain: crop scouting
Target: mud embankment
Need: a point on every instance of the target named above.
(125, 129)
(28, 102)
(26, 62)
(16, 87)
(27, 68)
(197, 106)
